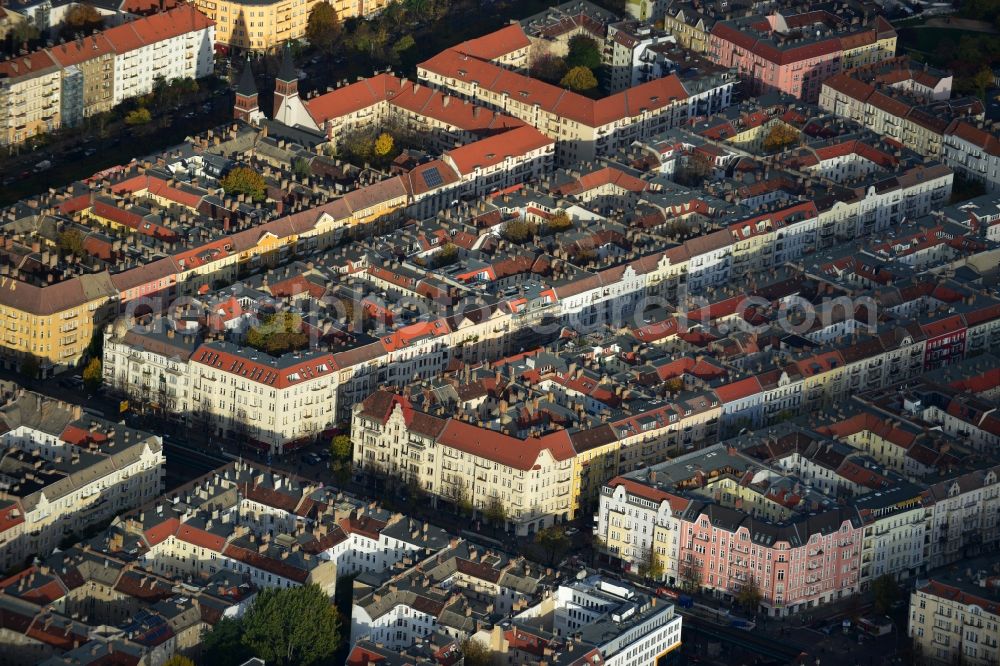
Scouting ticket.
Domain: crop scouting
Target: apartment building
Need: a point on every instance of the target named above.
(629, 43)
(581, 127)
(384, 98)
(272, 402)
(458, 591)
(955, 615)
(974, 152)
(174, 44)
(150, 366)
(88, 77)
(899, 100)
(796, 53)
(151, 584)
(964, 516)
(262, 26)
(64, 84)
(457, 461)
(895, 531)
(594, 614)
(65, 471)
(30, 89)
(795, 559)
(53, 324)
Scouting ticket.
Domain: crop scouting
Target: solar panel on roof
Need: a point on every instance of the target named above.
(432, 177)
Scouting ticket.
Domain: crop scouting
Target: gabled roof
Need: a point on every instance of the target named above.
(493, 150)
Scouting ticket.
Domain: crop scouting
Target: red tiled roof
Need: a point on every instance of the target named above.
(405, 336)
(504, 449)
(27, 66)
(677, 504)
(939, 589)
(262, 372)
(496, 44)
(265, 563)
(81, 50)
(491, 151)
(976, 136)
(738, 390)
(158, 27)
(525, 90)
(201, 538)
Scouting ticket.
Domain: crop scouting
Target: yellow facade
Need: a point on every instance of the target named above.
(591, 469)
(56, 340)
(258, 25)
(262, 25)
(29, 104)
(693, 37)
(882, 49)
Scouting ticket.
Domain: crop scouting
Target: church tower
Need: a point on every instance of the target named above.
(286, 85)
(246, 108)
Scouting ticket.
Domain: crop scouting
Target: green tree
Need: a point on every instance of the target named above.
(278, 333)
(178, 660)
(223, 644)
(474, 653)
(323, 28)
(886, 591)
(246, 181)
(519, 231)
(296, 625)
(495, 510)
(583, 52)
(92, 375)
(651, 566)
(579, 79)
(23, 32)
(457, 493)
(548, 67)
(30, 365)
(779, 137)
(81, 19)
(696, 168)
(71, 242)
(749, 595)
(300, 166)
(447, 255)
(689, 576)
(404, 43)
(561, 221)
(982, 81)
(139, 116)
(384, 144)
(341, 470)
(554, 541)
(341, 447)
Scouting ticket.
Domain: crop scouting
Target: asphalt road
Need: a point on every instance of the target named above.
(79, 157)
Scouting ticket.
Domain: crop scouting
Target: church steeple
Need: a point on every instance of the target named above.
(286, 84)
(246, 108)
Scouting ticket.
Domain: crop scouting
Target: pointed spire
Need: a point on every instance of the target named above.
(287, 71)
(246, 86)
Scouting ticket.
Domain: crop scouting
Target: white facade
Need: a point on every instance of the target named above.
(189, 54)
(97, 486)
(629, 629)
(973, 161)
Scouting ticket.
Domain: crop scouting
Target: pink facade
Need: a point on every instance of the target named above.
(796, 565)
(799, 72)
